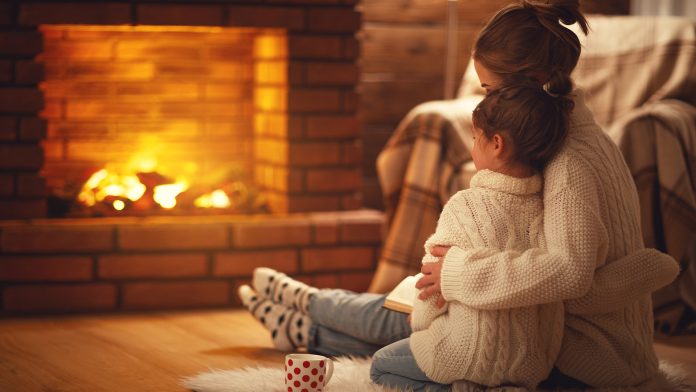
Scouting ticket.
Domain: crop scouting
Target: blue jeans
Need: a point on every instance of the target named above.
(346, 323)
(394, 366)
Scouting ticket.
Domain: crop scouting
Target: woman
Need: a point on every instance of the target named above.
(591, 223)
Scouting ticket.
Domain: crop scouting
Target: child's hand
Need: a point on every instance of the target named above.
(440, 251)
(430, 282)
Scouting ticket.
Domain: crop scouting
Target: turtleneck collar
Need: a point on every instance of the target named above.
(489, 179)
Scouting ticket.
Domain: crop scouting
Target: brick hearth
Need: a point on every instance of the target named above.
(311, 161)
(124, 264)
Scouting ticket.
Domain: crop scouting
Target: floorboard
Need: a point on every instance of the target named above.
(153, 351)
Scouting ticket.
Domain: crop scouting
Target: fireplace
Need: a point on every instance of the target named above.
(150, 119)
(291, 106)
(205, 96)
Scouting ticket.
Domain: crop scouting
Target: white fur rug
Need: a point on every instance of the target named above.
(350, 374)
(353, 374)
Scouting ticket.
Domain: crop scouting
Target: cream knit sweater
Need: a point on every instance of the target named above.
(591, 221)
(491, 347)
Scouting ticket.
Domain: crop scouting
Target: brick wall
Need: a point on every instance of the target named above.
(180, 96)
(89, 265)
(318, 138)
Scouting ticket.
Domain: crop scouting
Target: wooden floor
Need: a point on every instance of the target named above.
(152, 352)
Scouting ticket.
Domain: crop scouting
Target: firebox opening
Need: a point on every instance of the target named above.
(147, 120)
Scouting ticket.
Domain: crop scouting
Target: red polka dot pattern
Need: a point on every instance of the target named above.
(309, 377)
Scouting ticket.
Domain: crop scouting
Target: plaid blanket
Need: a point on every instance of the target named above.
(421, 166)
(658, 142)
(628, 61)
(639, 75)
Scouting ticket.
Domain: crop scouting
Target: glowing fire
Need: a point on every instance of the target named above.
(116, 189)
(215, 199)
(104, 183)
(165, 195)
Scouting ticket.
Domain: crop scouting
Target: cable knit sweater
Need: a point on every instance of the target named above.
(490, 347)
(591, 221)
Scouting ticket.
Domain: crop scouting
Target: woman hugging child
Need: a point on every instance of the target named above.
(517, 130)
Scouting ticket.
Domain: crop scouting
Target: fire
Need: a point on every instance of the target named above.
(165, 195)
(141, 186)
(119, 191)
(103, 184)
(215, 199)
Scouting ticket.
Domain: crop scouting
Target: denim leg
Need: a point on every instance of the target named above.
(360, 316)
(395, 366)
(326, 341)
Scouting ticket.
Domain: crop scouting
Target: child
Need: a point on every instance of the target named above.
(517, 130)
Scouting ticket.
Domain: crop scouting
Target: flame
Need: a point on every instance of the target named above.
(96, 178)
(103, 183)
(134, 189)
(122, 183)
(145, 164)
(165, 195)
(215, 199)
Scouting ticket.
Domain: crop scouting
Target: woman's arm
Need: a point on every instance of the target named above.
(624, 281)
(491, 279)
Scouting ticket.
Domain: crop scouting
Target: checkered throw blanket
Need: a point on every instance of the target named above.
(639, 75)
(421, 166)
(658, 142)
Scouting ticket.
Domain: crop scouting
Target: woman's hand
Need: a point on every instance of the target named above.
(430, 283)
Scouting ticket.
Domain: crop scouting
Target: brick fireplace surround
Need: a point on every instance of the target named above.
(318, 231)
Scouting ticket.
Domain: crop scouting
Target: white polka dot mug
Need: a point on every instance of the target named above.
(307, 372)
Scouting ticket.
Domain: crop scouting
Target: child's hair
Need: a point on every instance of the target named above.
(527, 39)
(531, 120)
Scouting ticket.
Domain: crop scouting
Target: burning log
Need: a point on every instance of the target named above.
(108, 193)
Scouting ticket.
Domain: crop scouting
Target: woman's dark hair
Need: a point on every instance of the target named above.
(534, 122)
(527, 39)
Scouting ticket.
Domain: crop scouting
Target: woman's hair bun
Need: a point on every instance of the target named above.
(567, 11)
(531, 38)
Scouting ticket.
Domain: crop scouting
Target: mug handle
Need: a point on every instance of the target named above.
(329, 370)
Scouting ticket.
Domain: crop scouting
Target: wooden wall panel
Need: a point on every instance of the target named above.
(428, 11)
(402, 62)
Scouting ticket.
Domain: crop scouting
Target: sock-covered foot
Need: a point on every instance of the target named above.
(289, 328)
(283, 289)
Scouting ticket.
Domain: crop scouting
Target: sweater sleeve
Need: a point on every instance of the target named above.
(624, 281)
(449, 232)
(424, 312)
(490, 279)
